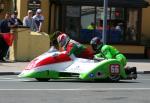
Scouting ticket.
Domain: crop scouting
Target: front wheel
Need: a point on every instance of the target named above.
(42, 79)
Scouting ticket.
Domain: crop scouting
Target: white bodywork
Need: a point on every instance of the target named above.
(76, 65)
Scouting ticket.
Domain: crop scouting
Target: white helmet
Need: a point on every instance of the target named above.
(63, 39)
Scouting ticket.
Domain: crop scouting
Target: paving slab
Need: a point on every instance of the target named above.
(143, 65)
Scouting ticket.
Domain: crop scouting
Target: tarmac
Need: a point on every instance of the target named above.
(14, 68)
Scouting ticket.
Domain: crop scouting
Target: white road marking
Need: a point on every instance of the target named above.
(7, 78)
(143, 79)
(86, 89)
(13, 79)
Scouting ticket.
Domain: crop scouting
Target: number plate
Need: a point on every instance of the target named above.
(114, 69)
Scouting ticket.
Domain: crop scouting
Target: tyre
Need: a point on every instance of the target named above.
(42, 79)
(114, 78)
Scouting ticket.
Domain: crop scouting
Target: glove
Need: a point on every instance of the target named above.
(55, 54)
(98, 58)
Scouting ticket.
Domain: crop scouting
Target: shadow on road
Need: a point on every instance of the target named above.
(81, 81)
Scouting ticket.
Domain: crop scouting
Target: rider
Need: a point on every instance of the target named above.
(106, 51)
(74, 47)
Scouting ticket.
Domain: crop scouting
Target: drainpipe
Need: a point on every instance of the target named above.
(49, 24)
(14, 5)
(104, 34)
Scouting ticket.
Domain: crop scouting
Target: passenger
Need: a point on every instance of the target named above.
(73, 47)
(107, 51)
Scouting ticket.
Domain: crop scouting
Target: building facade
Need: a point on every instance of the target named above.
(23, 6)
(74, 16)
(5, 6)
(146, 22)
(126, 16)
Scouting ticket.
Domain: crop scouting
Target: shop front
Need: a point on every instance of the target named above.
(75, 16)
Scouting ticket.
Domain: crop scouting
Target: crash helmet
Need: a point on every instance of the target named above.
(95, 42)
(63, 39)
(56, 34)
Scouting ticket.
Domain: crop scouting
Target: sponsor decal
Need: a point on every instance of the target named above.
(91, 75)
(75, 68)
(99, 74)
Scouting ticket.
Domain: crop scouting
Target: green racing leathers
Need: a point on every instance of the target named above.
(109, 52)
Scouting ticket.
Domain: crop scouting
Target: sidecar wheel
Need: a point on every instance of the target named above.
(114, 78)
(42, 79)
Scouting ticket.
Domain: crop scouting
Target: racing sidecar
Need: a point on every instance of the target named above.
(58, 65)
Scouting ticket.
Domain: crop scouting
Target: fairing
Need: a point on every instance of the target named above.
(58, 64)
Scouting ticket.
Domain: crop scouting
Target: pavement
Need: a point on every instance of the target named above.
(14, 68)
(142, 65)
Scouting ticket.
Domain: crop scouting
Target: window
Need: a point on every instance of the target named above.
(34, 5)
(87, 16)
(115, 23)
(72, 25)
(122, 23)
(88, 24)
(131, 31)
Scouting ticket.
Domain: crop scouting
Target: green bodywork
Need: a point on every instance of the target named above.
(104, 69)
(41, 74)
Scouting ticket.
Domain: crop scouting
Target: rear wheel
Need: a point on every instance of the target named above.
(114, 78)
(42, 79)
